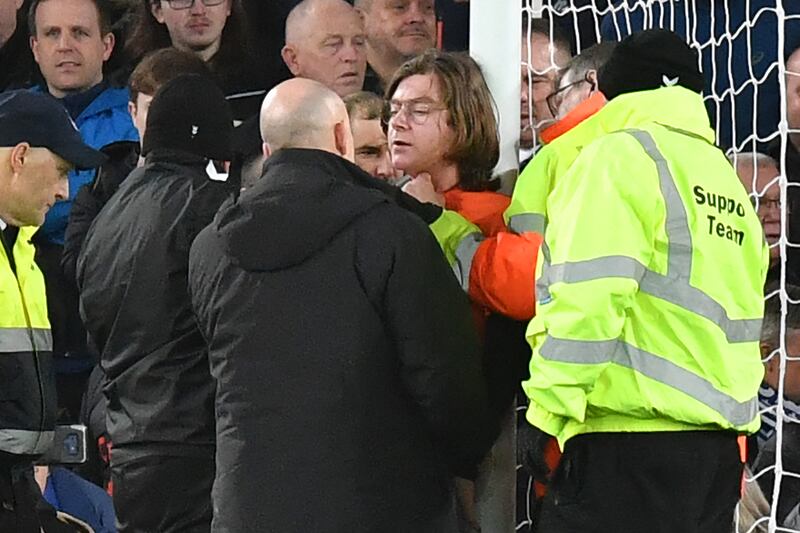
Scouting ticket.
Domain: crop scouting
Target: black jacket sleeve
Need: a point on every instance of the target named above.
(122, 158)
(85, 208)
(430, 320)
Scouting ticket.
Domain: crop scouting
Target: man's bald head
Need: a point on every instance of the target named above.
(303, 113)
(325, 41)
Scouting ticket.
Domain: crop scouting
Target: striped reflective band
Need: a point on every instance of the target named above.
(19, 340)
(654, 367)
(525, 222)
(465, 253)
(673, 287)
(21, 441)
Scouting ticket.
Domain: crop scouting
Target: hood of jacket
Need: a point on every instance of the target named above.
(673, 107)
(303, 199)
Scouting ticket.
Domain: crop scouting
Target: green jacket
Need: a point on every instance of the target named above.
(650, 293)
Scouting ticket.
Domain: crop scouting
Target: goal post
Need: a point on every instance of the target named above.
(742, 49)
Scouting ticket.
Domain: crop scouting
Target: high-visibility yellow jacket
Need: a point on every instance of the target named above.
(650, 286)
(27, 389)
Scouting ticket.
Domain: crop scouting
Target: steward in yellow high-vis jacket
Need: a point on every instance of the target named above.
(39, 145)
(646, 359)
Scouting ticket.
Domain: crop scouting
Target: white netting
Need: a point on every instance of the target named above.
(743, 48)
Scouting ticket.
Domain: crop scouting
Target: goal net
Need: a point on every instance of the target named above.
(753, 98)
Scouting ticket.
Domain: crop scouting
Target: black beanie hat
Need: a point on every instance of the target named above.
(648, 60)
(189, 113)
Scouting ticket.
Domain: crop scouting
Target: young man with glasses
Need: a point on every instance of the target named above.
(214, 31)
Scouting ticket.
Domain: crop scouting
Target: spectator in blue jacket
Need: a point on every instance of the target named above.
(71, 40)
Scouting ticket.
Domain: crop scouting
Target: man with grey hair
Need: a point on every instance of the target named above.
(325, 41)
(578, 82)
(760, 175)
(349, 384)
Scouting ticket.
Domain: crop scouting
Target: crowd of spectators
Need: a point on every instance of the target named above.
(187, 99)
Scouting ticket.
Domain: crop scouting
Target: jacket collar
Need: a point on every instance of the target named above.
(673, 107)
(581, 112)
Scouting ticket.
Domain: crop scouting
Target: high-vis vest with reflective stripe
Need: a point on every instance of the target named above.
(498, 271)
(27, 390)
(650, 297)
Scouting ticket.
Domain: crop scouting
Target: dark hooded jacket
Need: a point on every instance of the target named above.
(349, 386)
(132, 275)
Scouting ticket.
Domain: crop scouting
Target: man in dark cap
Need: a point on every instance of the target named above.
(39, 145)
(645, 362)
(132, 274)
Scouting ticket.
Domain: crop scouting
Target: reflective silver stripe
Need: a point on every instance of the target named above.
(527, 222)
(675, 292)
(21, 441)
(612, 266)
(465, 253)
(656, 368)
(19, 340)
(674, 287)
(677, 223)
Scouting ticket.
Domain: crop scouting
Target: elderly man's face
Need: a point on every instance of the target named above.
(372, 148)
(401, 27)
(541, 61)
(332, 51)
(69, 45)
(763, 185)
(195, 29)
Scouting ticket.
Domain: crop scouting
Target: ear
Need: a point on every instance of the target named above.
(34, 47)
(18, 4)
(289, 55)
(343, 140)
(157, 12)
(108, 45)
(19, 154)
(266, 150)
(591, 75)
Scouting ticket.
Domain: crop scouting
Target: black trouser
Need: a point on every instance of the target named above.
(18, 499)
(154, 491)
(670, 482)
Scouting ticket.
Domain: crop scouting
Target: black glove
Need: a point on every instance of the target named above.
(531, 444)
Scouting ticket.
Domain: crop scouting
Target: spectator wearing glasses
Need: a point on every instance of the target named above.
(760, 176)
(214, 31)
(443, 134)
(365, 110)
